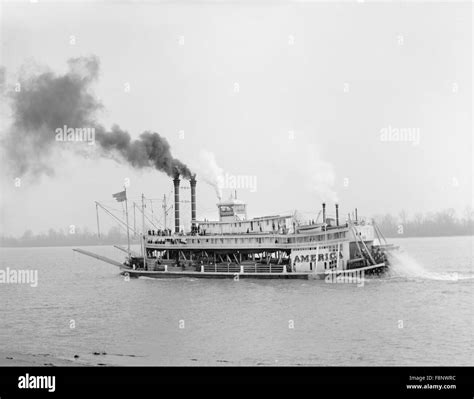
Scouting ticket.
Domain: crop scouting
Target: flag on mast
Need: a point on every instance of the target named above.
(121, 196)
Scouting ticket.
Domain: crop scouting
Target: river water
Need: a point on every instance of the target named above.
(420, 314)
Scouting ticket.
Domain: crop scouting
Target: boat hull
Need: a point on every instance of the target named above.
(375, 269)
(213, 275)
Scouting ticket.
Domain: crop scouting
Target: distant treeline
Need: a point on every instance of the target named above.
(60, 238)
(443, 223)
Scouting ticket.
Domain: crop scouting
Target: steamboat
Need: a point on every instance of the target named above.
(268, 247)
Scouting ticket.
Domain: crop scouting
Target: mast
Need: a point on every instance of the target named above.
(143, 231)
(126, 212)
(112, 215)
(165, 211)
(97, 213)
(134, 220)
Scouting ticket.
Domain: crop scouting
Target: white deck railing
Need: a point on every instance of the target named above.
(235, 268)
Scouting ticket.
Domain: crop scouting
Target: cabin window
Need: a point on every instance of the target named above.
(310, 265)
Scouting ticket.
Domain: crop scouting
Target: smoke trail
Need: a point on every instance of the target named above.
(317, 174)
(2, 76)
(149, 150)
(47, 102)
(41, 103)
(305, 163)
(320, 176)
(212, 173)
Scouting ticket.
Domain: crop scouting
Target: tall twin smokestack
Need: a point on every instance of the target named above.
(176, 182)
(193, 203)
(176, 203)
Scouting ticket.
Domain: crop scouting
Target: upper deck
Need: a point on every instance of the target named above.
(240, 241)
(235, 232)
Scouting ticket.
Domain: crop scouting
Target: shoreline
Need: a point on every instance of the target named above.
(94, 359)
(36, 360)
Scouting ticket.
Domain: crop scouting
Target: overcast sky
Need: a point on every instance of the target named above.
(274, 91)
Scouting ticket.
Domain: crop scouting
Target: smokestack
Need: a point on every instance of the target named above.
(193, 203)
(324, 212)
(176, 203)
(337, 214)
(356, 214)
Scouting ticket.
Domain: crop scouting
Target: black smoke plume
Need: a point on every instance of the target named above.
(150, 150)
(44, 102)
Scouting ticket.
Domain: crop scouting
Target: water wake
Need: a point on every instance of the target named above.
(403, 265)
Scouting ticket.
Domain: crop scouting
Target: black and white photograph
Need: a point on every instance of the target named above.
(236, 186)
